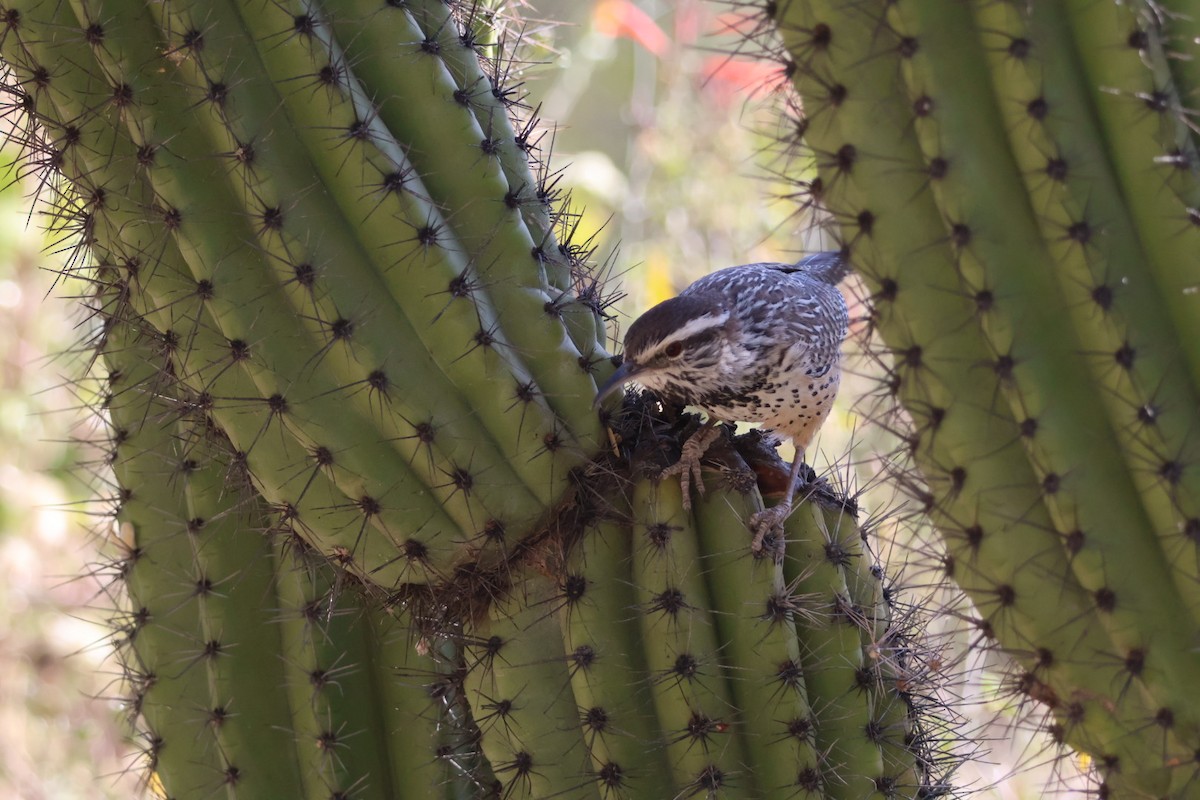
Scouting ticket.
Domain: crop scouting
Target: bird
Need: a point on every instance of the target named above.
(753, 343)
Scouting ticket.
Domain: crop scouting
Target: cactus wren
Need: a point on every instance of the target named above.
(755, 343)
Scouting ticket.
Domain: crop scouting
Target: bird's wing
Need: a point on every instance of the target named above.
(816, 321)
(782, 303)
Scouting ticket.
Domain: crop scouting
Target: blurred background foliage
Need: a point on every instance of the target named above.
(662, 135)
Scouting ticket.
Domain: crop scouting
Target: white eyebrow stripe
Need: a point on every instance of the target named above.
(694, 326)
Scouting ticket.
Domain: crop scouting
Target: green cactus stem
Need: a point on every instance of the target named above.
(1015, 183)
(757, 615)
(602, 642)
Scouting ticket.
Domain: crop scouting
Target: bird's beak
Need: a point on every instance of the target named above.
(624, 373)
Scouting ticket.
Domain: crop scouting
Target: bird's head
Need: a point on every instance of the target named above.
(676, 348)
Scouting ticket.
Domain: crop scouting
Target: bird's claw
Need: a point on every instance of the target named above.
(688, 465)
(688, 470)
(767, 527)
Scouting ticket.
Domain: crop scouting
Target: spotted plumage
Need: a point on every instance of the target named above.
(755, 343)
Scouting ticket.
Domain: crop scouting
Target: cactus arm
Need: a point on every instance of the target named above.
(1073, 443)
(531, 736)
(840, 686)
(438, 72)
(279, 175)
(238, 275)
(312, 423)
(174, 180)
(690, 693)
(925, 314)
(754, 615)
(1067, 177)
(601, 637)
(991, 269)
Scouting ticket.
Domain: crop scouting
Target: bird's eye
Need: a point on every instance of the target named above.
(674, 349)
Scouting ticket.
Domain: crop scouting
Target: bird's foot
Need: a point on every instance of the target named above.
(688, 465)
(767, 527)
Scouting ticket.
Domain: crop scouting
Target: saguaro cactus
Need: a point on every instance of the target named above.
(376, 542)
(1018, 184)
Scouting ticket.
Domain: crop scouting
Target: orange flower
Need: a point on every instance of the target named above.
(621, 18)
(726, 76)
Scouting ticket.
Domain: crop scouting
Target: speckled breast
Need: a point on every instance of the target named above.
(793, 404)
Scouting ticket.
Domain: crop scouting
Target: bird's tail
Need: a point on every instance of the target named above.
(829, 267)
